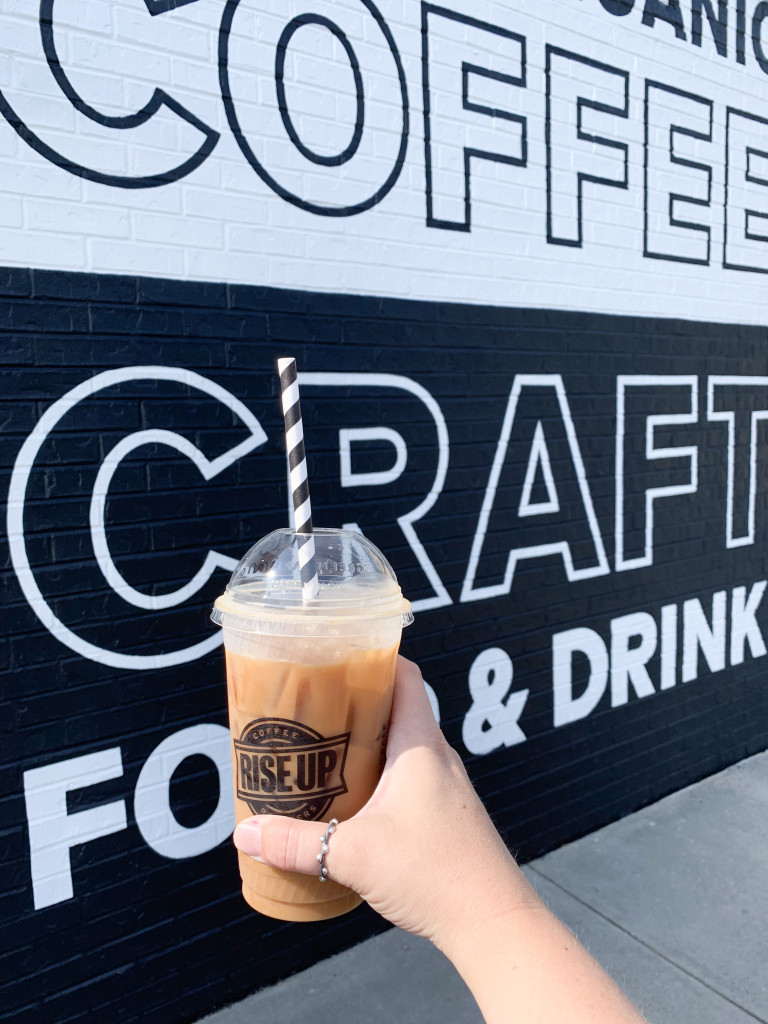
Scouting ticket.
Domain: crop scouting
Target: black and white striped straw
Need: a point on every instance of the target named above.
(297, 461)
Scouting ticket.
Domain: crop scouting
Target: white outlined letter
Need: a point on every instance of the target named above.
(539, 459)
(724, 407)
(374, 478)
(307, 381)
(652, 454)
(17, 496)
(599, 566)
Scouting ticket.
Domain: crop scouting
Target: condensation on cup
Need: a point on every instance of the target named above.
(310, 693)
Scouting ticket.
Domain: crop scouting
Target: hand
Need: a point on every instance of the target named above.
(424, 853)
(410, 851)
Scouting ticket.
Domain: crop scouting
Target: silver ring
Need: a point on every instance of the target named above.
(323, 876)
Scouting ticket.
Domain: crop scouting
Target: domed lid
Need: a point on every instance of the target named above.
(355, 581)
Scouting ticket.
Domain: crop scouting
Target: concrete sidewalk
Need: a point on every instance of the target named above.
(673, 901)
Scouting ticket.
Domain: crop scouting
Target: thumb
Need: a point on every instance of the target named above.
(286, 843)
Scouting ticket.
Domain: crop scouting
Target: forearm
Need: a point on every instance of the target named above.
(523, 965)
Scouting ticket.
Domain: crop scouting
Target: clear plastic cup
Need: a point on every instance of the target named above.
(310, 694)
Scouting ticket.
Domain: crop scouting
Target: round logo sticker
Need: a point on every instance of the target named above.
(284, 767)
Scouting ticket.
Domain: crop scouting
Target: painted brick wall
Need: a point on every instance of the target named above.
(531, 246)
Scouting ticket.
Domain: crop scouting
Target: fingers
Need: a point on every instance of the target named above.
(283, 843)
(412, 722)
(292, 845)
(411, 700)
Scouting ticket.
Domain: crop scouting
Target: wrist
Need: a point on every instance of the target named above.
(521, 963)
(497, 902)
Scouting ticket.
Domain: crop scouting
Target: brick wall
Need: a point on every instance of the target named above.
(575, 369)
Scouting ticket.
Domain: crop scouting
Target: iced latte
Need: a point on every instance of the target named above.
(310, 693)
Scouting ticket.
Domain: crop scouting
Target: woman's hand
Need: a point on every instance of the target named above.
(424, 853)
(423, 834)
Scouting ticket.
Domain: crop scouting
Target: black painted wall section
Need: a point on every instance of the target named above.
(151, 939)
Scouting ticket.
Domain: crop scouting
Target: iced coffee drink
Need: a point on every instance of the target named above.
(310, 693)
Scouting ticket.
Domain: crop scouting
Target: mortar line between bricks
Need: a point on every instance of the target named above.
(646, 945)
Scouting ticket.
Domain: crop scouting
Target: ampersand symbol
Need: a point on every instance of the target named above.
(492, 720)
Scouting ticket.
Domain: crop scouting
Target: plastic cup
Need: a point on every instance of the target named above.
(310, 693)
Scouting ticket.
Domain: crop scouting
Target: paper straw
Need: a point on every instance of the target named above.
(297, 461)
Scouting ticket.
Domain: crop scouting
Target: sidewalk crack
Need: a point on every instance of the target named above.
(646, 945)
